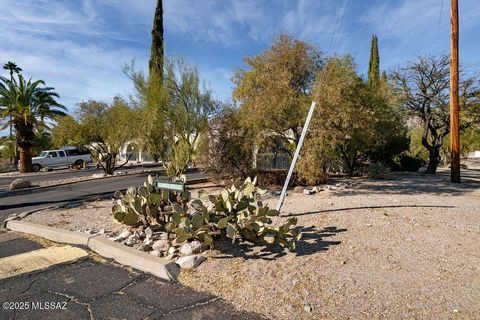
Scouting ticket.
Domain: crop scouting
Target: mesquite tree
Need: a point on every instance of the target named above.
(425, 88)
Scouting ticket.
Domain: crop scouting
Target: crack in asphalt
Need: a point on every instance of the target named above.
(75, 300)
(204, 303)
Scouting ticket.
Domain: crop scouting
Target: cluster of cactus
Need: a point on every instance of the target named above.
(234, 214)
(144, 206)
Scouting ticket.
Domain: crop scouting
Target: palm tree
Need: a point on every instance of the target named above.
(27, 104)
(12, 68)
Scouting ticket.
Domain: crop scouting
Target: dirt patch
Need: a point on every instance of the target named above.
(406, 247)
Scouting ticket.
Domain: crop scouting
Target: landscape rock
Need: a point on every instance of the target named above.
(298, 189)
(191, 248)
(99, 175)
(160, 235)
(161, 245)
(308, 192)
(133, 239)
(148, 232)
(156, 253)
(19, 184)
(124, 235)
(143, 247)
(190, 262)
(316, 189)
(148, 241)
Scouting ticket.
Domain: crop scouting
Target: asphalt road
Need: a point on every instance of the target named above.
(92, 288)
(72, 192)
(65, 173)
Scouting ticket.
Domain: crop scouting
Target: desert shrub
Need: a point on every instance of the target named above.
(179, 159)
(411, 164)
(229, 146)
(275, 177)
(313, 162)
(376, 170)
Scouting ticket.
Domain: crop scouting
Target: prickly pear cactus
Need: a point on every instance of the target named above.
(143, 206)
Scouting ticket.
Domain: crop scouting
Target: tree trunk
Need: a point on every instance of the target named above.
(25, 138)
(25, 163)
(434, 160)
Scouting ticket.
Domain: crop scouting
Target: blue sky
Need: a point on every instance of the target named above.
(78, 46)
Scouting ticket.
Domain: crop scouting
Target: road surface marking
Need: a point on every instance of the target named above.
(38, 259)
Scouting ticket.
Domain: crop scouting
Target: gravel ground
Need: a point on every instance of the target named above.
(405, 247)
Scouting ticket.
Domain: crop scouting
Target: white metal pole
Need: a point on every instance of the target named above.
(295, 156)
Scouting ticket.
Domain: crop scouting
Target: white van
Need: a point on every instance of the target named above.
(61, 157)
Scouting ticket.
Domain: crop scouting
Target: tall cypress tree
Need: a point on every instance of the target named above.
(156, 55)
(374, 64)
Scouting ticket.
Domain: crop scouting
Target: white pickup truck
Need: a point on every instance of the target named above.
(59, 158)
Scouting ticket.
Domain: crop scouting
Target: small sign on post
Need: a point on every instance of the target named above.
(167, 185)
(171, 190)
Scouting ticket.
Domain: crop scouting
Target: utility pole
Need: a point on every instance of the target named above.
(454, 114)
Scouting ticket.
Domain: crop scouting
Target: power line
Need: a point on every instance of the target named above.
(439, 21)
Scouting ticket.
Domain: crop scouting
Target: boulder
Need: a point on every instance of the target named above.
(19, 184)
(298, 189)
(190, 262)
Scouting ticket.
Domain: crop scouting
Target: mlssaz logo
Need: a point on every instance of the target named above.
(49, 305)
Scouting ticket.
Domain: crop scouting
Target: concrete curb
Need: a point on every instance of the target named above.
(50, 233)
(143, 261)
(159, 267)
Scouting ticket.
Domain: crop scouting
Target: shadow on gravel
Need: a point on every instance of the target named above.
(312, 241)
(415, 183)
(360, 208)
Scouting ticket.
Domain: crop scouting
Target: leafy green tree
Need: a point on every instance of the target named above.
(101, 127)
(274, 94)
(343, 123)
(424, 86)
(66, 132)
(374, 64)
(26, 104)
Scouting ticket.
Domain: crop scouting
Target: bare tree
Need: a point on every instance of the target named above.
(425, 88)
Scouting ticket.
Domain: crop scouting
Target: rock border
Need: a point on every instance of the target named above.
(157, 266)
